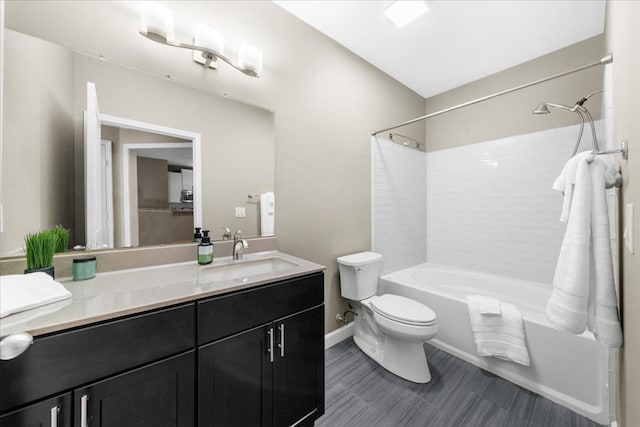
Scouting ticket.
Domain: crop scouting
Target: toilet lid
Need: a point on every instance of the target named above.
(403, 310)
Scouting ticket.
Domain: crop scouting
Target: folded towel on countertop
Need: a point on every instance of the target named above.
(500, 336)
(20, 292)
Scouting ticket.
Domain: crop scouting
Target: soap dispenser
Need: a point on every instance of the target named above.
(197, 236)
(205, 249)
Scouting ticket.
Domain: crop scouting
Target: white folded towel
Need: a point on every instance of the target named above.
(580, 299)
(499, 336)
(267, 214)
(20, 292)
(488, 305)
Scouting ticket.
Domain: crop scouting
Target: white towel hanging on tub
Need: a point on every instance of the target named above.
(500, 336)
(583, 284)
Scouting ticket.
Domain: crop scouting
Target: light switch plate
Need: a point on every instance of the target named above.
(628, 227)
(240, 213)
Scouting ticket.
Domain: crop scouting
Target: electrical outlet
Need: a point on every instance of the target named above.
(628, 227)
(240, 213)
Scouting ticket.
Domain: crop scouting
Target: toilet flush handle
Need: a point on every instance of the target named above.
(358, 270)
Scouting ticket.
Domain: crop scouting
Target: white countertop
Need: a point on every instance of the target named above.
(123, 292)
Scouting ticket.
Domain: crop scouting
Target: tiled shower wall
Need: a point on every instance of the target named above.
(399, 204)
(488, 207)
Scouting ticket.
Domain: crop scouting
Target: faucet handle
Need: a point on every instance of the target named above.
(238, 234)
(227, 233)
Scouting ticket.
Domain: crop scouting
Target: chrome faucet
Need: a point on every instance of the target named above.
(239, 245)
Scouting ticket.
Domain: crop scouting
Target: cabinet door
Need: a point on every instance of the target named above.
(235, 380)
(160, 394)
(54, 412)
(299, 368)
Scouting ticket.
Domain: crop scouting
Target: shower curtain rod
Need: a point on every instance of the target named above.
(605, 60)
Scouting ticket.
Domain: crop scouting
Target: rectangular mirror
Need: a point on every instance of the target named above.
(45, 92)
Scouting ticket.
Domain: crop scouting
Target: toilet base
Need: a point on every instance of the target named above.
(405, 359)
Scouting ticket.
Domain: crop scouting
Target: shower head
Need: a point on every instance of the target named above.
(541, 109)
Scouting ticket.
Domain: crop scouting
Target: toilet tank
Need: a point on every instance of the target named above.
(359, 275)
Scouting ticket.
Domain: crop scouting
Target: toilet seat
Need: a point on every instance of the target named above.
(403, 310)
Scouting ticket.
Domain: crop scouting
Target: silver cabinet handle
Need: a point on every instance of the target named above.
(84, 422)
(270, 350)
(14, 345)
(281, 345)
(54, 416)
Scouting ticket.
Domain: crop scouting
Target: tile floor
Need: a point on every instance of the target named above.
(361, 393)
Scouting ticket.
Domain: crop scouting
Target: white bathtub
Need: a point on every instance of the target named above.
(572, 370)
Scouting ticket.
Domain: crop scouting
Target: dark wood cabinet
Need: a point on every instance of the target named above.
(54, 412)
(271, 375)
(159, 395)
(65, 360)
(251, 358)
(234, 379)
(298, 378)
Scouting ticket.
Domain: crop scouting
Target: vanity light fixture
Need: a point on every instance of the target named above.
(156, 23)
(403, 12)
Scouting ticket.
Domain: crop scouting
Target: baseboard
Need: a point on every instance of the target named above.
(340, 334)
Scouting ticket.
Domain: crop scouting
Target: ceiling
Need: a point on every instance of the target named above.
(455, 42)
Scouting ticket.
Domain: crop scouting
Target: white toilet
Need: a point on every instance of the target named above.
(388, 328)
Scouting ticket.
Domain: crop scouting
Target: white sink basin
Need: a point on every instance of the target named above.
(245, 270)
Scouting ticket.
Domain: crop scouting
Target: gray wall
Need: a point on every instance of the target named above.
(38, 187)
(510, 114)
(623, 39)
(326, 102)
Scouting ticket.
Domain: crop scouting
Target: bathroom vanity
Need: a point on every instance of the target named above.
(232, 345)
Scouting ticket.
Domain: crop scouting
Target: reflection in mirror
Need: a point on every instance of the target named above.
(43, 144)
(156, 184)
(141, 154)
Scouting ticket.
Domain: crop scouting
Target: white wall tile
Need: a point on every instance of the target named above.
(490, 206)
(399, 190)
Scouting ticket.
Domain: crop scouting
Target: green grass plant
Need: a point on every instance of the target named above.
(63, 238)
(40, 248)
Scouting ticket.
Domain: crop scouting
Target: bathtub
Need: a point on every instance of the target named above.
(572, 370)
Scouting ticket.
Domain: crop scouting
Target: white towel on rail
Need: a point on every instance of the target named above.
(20, 292)
(580, 299)
(567, 307)
(267, 214)
(603, 319)
(566, 181)
(500, 336)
